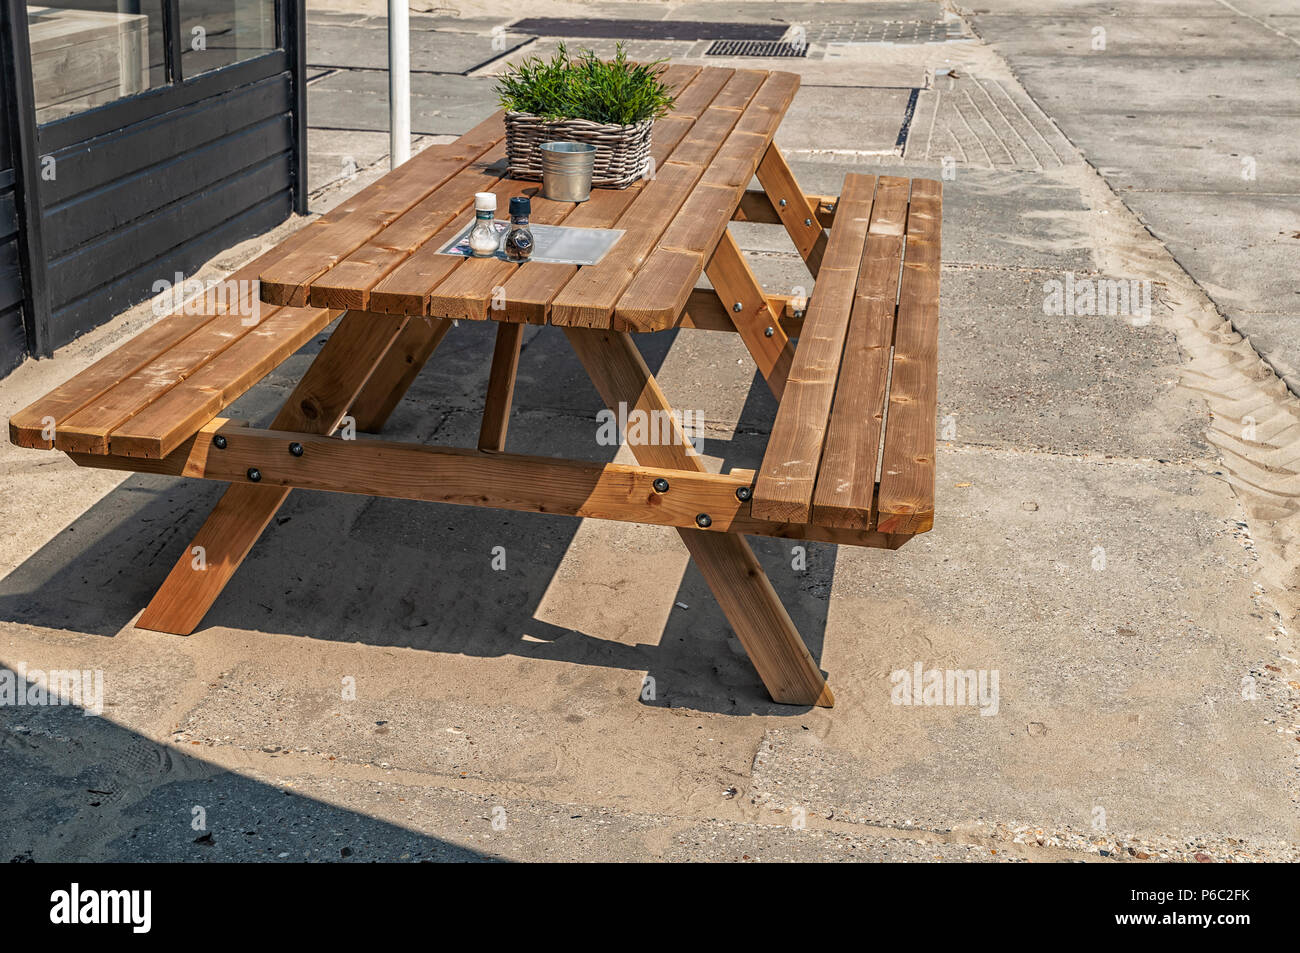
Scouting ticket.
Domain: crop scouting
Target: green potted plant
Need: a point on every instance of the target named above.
(610, 104)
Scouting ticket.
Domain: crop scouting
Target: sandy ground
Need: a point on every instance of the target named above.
(370, 687)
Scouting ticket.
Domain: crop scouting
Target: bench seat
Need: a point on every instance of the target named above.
(853, 444)
(149, 396)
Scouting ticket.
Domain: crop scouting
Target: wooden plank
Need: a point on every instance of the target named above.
(26, 427)
(501, 388)
(408, 284)
(726, 562)
(159, 428)
(87, 430)
(700, 91)
(734, 283)
(413, 471)
(405, 289)
(907, 462)
(846, 481)
(476, 285)
(592, 294)
(796, 212)
(756, 206)
(397, 371)
(286, 281)
(317, 405)
(589, 297)
(530, 291)
(788, 475)
(655, 297)
(347, 284)
(705, 312)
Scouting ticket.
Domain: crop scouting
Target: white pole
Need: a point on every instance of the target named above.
(399, 83)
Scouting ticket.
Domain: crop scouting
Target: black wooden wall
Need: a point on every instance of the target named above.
(161, 195)
(13, 340)
(138, 190)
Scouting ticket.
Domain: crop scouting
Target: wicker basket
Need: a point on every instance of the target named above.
(622, 152)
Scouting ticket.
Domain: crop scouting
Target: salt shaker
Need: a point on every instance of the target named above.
(483, 239)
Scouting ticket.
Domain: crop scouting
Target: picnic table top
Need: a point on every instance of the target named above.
(385, 258)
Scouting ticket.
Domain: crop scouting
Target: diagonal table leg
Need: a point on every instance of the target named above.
(727, 563)
(757, 323)
(797, 214)
(317, 405)
(397, 372)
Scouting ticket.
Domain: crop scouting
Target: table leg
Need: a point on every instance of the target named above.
(757, 323)
(797, 214)
(397, 372)
(501, 388)
(727, 563)
(319, 402)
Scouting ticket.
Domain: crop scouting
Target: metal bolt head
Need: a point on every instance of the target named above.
(738, 306)
(703, 521)
(783, 203)
(219, 441)
(295, 448)
(660, 485)
(743, 493)
(768, 332)
(254, 474)
(808, 222)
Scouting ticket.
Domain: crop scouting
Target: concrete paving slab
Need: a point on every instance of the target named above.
(353, 47)
(1273, 335)
(440, 104)
(1184, 36)
(829, 119)
(1241, 266)
(1142, 694)
(1011, 375)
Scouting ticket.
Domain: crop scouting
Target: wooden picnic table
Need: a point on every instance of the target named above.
(851, 455)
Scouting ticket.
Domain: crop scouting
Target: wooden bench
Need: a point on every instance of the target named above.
(866, 367)
(851, 455)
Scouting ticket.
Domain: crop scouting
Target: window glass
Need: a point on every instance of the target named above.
(216, 33)
(86, 53)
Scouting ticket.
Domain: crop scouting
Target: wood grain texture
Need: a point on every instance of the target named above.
(657, 293)
(412, 471)
(788, 475)
(396, 372)
(592, 295)
(907, 462)
(793, 209)
(161, 426)
(846, 481)
(765, 337)
(286, 280)
(317, 405)
(501, 388)
(347, 284)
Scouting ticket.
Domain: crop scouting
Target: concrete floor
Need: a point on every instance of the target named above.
(1108, 541)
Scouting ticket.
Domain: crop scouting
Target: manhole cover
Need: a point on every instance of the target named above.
(647, 29)
(755, 48)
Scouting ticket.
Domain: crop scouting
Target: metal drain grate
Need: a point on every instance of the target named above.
(755, 48)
